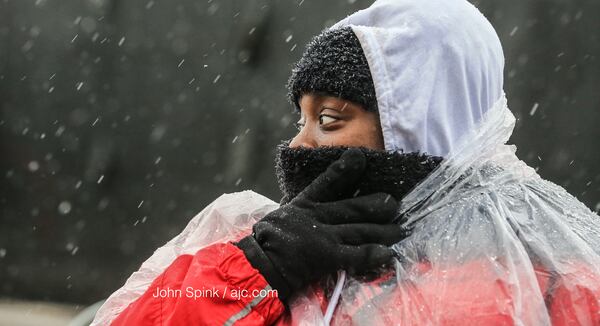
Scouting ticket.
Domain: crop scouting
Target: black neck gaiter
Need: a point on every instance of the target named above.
(394, 173)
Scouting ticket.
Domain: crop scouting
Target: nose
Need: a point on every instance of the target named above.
(304, 139)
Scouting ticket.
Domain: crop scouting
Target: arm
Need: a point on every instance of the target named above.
(317, 233)
(216, 286)
(226, 219)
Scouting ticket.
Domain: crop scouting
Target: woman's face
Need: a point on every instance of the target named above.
(332, 121)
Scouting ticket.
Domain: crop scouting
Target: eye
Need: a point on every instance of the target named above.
(326, 119)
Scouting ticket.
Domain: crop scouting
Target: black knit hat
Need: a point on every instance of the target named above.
(334, 64)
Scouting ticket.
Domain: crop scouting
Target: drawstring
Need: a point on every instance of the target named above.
(337, 292)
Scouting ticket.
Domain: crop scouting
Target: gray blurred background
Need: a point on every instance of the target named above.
(119, 120)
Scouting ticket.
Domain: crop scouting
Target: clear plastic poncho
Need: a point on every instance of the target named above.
(492, 243)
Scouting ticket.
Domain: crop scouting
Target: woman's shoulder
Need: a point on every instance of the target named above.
(243, 202)
(245, 197)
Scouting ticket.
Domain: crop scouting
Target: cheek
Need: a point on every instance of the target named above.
(360, 133)
(376, 137)
(369, 134)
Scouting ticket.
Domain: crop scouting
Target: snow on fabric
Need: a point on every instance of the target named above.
(493, 243)
(224, 220)
(437, 66)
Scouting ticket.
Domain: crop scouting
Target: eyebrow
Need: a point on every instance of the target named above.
(323, 103)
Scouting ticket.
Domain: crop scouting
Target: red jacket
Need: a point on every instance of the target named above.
(218, 286)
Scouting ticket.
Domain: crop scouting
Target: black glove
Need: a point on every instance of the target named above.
(324, 229)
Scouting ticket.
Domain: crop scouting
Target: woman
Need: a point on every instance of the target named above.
(399, 175)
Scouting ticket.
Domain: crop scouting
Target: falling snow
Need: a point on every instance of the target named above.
(119, 123)
(533, 109)
(33, 166)
(64, 207)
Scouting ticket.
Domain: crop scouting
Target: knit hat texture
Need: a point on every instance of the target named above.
(334, 64)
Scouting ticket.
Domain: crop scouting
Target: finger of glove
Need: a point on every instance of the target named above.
(379, 208)
(339, 180)
(364, 258)
(367, 233)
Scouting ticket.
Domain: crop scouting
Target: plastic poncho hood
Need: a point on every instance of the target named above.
(437, 67)
(492, 242)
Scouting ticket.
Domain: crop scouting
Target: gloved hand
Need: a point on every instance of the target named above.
(324, 229)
